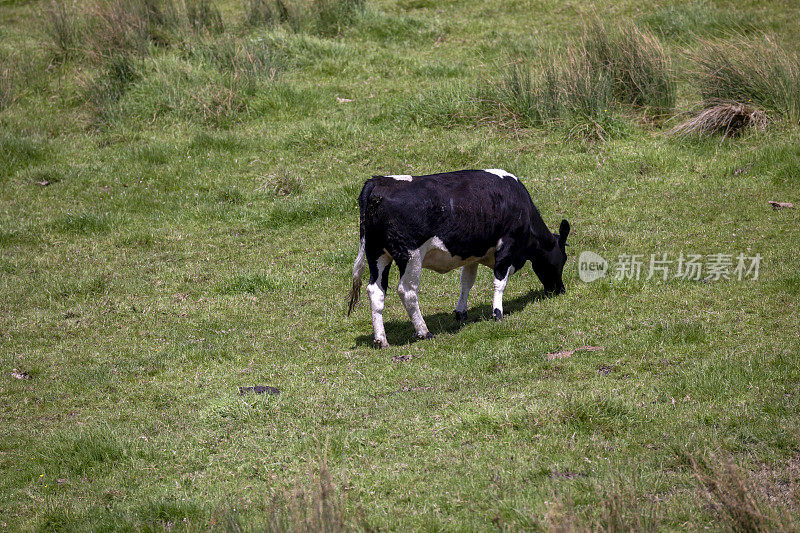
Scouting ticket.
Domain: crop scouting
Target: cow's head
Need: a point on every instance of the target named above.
(548, 259)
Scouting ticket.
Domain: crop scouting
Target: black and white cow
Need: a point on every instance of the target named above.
(445, 221)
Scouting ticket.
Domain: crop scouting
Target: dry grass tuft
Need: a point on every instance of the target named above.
(735, 499)
(620, 510)
(728, 118)
(313, 506)
(283, 183)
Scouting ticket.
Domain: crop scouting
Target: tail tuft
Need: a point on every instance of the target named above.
(358, 271)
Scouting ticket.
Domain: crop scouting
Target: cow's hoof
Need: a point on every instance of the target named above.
(498, 315)
(428, 335)
(461, 316)
(377, 343)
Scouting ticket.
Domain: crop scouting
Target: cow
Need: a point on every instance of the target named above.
(446, 221)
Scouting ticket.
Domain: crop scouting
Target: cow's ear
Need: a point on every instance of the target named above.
(563, 232)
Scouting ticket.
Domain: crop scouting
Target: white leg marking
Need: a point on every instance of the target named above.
(377, 297)
(499, 287)
(400, 177)
(408, 289)
(468, 273)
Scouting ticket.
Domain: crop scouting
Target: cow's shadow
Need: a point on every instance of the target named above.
(400, 331)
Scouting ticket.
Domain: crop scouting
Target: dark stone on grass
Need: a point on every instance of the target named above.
(605, 370)
(259, 389)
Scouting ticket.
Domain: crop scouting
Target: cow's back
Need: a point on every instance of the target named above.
(469, 210)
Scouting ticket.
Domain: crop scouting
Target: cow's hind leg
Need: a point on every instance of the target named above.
(410, 275)
(468, 273)
(378, 282)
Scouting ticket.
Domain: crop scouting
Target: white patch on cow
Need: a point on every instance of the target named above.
(500, 173)
(377, 297)
(435, 256)
(499, 287)
(400, 177)
(468, 273)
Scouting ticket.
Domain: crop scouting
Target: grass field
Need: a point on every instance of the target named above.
(178, 219)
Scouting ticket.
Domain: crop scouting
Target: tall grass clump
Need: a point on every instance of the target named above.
(105, 29)
(103, 92)
(131, 26)
(326, 17)
(268, 12)
(635, 62)
(204, 15)
(331, 15)
(565, 87)
(608, 68)
(63, 27)
(751, 71)
(247, 62)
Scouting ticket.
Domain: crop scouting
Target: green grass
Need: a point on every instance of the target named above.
(179, 219)
(690, 20)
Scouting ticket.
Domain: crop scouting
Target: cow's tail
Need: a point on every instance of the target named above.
(358, 271)
(358, 266)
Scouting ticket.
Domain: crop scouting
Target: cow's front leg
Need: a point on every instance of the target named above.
(408, 290)
(468, 273)
(501, 276)
(378, 282)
